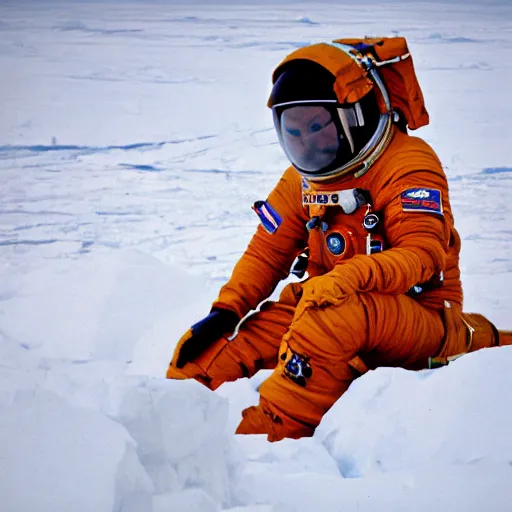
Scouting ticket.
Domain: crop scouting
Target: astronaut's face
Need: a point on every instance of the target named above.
(309, 136)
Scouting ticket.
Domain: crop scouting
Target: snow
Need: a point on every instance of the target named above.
(133, 139)
(399, 437)
(51, 458)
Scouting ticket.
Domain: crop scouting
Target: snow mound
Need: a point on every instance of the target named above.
(103, 306)
(397, 440)
(180, 431)
(452, 416)
(60, 458)
(99, 433)
(148, 444)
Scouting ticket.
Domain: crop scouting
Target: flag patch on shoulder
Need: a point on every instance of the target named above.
(422, 200)
(270, 219)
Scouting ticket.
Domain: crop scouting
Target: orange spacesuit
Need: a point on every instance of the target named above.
(368, 206)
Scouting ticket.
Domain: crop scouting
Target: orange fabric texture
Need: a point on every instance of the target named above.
(505, 337)
(339, 344)
(352, 81)
(400, 78)
(355, 312)
(329, 339)
(419, 245)
(331, 325)
(255, 346)
(197, 369)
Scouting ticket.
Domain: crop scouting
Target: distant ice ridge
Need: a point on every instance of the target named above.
(79, 433)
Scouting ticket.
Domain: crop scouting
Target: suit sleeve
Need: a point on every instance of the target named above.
(268, 257)
(418, 241)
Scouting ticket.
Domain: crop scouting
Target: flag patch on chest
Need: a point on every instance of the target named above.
(422, 200)
(270, 219)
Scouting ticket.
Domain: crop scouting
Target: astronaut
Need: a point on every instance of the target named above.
(366, 206)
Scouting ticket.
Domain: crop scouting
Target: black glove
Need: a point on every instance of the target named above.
(205, 332)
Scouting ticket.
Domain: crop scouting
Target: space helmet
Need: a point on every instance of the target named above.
(329, 122)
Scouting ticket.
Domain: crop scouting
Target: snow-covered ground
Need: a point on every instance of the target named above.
(134, 137)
